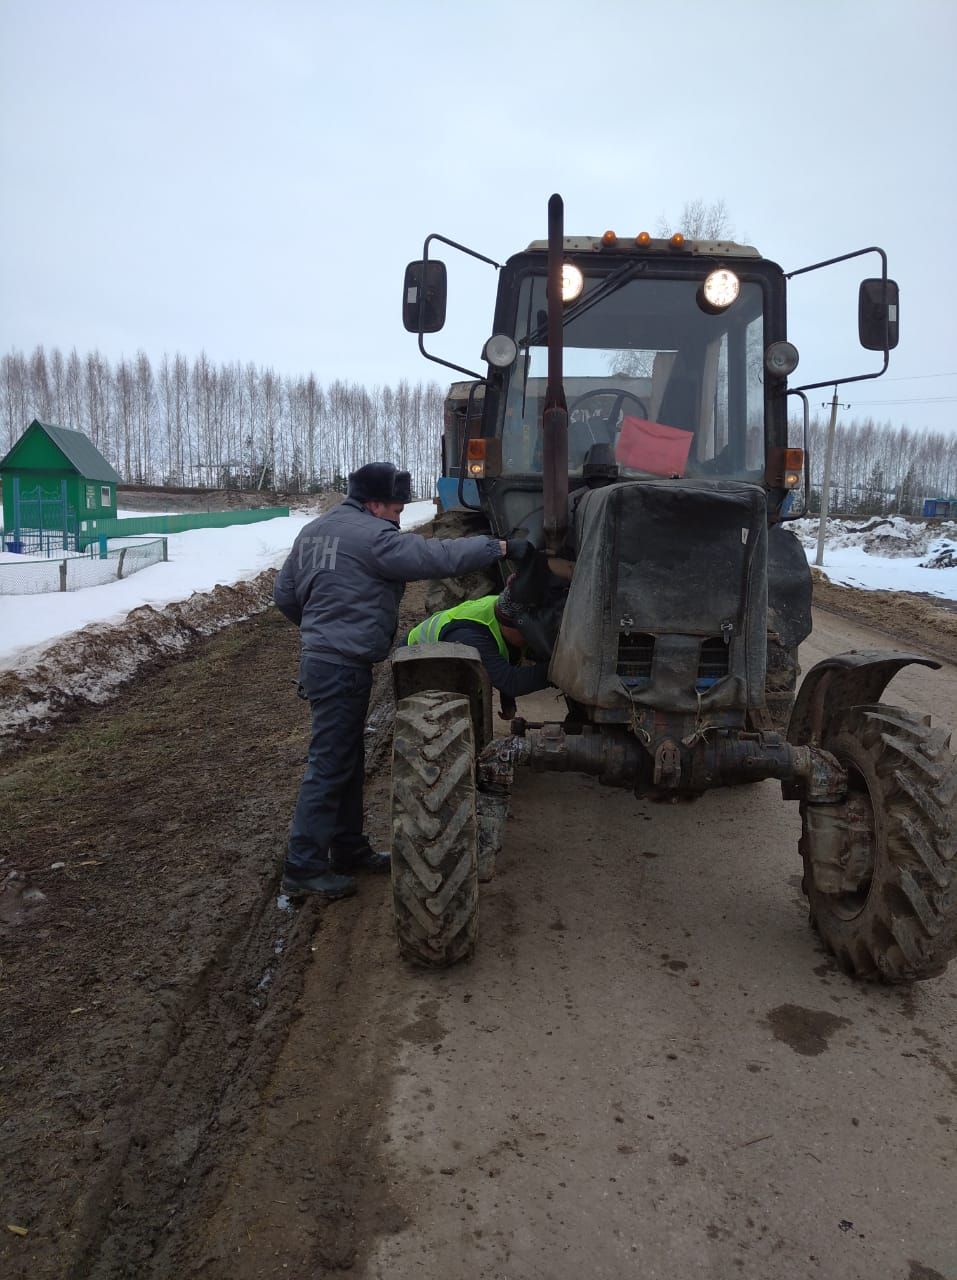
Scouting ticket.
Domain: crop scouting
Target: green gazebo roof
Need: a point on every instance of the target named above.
(78, 449)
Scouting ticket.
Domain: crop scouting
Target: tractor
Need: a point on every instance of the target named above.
(632, 425)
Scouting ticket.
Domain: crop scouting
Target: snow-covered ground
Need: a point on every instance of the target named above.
(887, 553)
(891, 554)
(199, 560)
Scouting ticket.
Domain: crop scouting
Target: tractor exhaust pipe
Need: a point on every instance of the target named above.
(555, 413)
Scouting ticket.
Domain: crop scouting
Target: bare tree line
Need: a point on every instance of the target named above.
(196, 423)
(879, 469)
(231, 426)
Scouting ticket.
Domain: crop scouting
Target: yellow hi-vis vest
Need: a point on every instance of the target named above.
(483, 611)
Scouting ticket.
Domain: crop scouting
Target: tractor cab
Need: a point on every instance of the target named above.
(657, 379)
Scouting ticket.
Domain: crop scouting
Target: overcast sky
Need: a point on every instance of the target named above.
(249, 179)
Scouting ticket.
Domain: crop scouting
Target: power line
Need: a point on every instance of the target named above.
(912, 400)
(918, 377)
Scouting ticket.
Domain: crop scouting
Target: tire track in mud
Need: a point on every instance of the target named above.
(149, 997)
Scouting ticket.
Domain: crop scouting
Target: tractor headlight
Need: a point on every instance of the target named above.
(572, 282)
(781, 359)
(719, 290)
(500, 350)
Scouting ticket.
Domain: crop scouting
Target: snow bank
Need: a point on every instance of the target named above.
(199, 560)
(887, 553)
(64, 648)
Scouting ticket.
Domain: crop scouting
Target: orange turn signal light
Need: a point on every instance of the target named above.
(785, 468)
(475, 458)
(609, 238)
(643, 237)
(483, 457)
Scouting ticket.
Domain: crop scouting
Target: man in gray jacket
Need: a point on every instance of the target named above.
(341, 585)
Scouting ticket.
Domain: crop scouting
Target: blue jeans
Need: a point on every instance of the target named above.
(327, 822)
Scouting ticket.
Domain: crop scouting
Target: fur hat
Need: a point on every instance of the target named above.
(380, 482)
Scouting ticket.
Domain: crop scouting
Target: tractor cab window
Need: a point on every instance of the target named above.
(650, 378)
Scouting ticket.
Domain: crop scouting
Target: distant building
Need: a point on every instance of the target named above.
(53, 479)
(936, 507)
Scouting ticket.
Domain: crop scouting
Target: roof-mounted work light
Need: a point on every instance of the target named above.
(720, 289)
(572, 282)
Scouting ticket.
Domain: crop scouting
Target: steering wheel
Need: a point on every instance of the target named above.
(611, 420)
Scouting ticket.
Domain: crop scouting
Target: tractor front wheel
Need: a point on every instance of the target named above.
(434, 834)
(879, 869)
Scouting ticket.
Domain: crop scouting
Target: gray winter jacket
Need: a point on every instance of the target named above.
(343, 580)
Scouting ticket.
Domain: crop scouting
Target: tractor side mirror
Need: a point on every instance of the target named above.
(877, 314)
(424, 296)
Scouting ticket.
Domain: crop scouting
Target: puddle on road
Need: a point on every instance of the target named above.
(806, 1031)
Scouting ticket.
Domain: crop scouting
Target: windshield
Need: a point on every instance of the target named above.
(652, 381)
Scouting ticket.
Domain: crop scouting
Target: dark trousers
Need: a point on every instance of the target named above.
(327, 824)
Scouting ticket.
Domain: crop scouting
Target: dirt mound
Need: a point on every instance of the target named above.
(149, 498)
(897, 537)
(925, 623)
(90, 665)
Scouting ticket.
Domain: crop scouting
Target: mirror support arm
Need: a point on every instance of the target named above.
(807, 459)
(829, 262)
(425, 257)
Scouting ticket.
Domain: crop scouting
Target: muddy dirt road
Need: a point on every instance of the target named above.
(650, 1069)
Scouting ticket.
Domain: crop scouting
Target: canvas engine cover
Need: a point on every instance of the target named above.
(668, 602)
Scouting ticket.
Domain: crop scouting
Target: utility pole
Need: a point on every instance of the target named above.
(826, 486)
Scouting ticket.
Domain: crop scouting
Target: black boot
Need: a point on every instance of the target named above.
(329, 885)
(364, 859)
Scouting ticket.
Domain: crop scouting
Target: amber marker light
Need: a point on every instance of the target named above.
(476, 458)
(677, 240)
(793, 467)
(609, 238)
(643, 237)
(785, 468)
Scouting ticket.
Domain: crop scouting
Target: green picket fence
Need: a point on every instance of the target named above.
(91, 530)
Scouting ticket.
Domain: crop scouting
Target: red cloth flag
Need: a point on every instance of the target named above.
(653, 447)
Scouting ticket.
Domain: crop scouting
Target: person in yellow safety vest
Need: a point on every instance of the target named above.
(490, 625)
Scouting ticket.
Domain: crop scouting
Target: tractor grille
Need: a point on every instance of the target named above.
(635, 653)
(713, 663)
(634, 656)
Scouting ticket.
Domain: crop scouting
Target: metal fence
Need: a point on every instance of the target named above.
(27, 541)
(43, 520)
(90, 530)
(74, 572)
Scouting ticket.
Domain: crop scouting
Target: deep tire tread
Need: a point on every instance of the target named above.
(434, 846)
(907, 927)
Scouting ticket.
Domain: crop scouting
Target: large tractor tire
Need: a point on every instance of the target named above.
(780, 687)
(892, 914)
(434, 833)
(445, 593)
